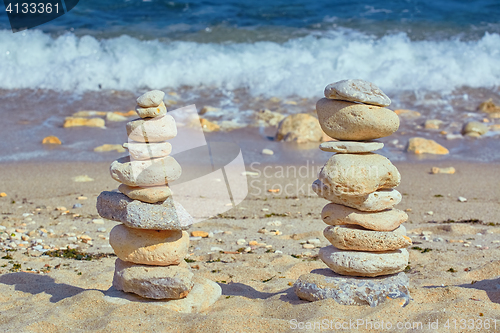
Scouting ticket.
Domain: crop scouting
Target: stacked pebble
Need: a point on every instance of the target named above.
(364, 229)
(151, 242)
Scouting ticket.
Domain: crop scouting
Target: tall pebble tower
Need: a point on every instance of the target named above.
(368, 251)
(151, 242)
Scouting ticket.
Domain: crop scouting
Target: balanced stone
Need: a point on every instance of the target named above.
(157, 129)
(358, 263)
(149, 247)
(386, 220)
(154, 172)
(167, 215)
(359, 174)
(151, 98)
(146, 151)
(323, 283)
(157, 282)
(357, 91)
(359, 239)
(151, 194)
(373, 202)
(153, 111)
(349, 147)
(353, 121)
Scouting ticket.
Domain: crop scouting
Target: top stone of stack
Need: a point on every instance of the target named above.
(357, 91)
(151, 104)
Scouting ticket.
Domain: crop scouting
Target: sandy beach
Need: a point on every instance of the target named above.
(454, 263)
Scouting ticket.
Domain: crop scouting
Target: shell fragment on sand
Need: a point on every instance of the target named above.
(356, 90)
(154, 172)
(153, 111)
(359, 174)
(168, 215)
(358, 239)
(157, 282)
(151, 194)
(150, 99)
(146, 151)
(156, 129)
(351, 147)
(149, 247)
(357, 263)
(373, 202)
(355, 122)
(386, 220)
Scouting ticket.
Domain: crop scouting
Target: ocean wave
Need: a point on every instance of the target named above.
(300, 66)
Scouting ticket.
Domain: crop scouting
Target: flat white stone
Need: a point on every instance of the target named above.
(154, 172)
(356, 90)
(348, 290)
(151, 98)
(146, 151)
(372, 202)
(350, 146)
(156, 129)
(357, 263)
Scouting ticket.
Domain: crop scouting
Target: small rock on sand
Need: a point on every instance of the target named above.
(51, 140)
(449, 170)
(109, 147)
(300, 128)
(426, 146)
(92, 122)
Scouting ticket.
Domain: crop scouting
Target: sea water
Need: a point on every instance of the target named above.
(441, 58)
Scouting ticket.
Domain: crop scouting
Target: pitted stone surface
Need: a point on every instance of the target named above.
(373, 202)
(357, 263)
(355, 122)
(360, 239)
(156, 129)
(151, 194)
(147, 151)
(151, 112)
(154, 172)
(157, 282)
(167, 215)
(348, 290)
(356, 90)
(350, 147)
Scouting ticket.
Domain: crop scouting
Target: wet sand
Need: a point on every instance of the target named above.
(452, 278)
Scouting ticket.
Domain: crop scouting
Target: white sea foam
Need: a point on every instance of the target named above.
(301, 66)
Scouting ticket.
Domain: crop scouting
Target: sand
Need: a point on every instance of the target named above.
(448, 283)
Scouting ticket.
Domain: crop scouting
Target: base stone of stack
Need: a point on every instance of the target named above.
(348, 290)
(157, 282)
(358, 263)
(203, 295)
(167, 215)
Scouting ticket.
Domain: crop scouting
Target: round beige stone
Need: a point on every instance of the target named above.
(151, 98)
(353, 121)
(158, 171)
(152, 194)
(149, 247)
(349, 147)
(358, 263)
(359, 239)
(152, 112)
(373, 202)
(359, 174)
(386, 220)
(145, 151)
(156, 129)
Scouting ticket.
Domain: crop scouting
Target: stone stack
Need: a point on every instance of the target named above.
(151, 243)
(368, 254)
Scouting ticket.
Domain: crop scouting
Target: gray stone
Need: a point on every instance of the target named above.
(350, 146)
(372, 202)
(358, 263)
(166, 215)
(357, 91)
(203, 295)
(323, 283)
(157, 282)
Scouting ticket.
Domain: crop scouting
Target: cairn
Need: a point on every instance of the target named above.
(368, 254)
(151, 242)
